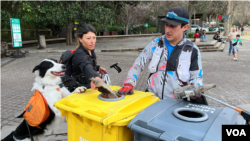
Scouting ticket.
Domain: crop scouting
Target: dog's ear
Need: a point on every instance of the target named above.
(36, 68)
(42, 71)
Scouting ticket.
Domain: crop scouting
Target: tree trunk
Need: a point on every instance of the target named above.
(227, 23)
(234, 5)
(217, 21)
(127, 28)
(190, 9)
(157, 25)
(69, 35)
(210, 18)
(194, 18)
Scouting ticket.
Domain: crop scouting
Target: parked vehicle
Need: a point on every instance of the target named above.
(215, 28)
(194, 27)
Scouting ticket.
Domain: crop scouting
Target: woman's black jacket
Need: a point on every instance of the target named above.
(84, 66)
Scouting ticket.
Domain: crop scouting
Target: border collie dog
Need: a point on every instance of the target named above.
(48, 80)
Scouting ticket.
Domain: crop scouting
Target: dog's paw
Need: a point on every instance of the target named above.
(80, 89)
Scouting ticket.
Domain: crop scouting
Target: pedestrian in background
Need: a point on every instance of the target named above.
(242, 29)
(236, 42)
(204, 36)
(217, 37)
(197, 30)
(231, 36)
(196, 35)
(200, 32)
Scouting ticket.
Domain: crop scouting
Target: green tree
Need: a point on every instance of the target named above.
(60, 13)
(231, 7)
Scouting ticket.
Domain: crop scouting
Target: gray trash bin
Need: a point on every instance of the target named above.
(178, 120)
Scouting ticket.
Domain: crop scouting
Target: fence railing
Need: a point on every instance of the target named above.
(49, 30)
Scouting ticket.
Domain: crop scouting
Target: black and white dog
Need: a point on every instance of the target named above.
(47, 81)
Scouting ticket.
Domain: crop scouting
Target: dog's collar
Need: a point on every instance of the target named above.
(60, 85)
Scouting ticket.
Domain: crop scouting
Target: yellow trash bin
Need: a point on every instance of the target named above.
(91, 118)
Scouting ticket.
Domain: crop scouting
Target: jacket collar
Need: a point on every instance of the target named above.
(180, 44)
(92, 51)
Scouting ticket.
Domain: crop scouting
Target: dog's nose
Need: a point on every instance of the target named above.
(63, 67)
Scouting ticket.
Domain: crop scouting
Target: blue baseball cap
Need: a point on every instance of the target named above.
(177, 16)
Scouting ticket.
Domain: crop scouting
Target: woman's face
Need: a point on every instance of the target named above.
(88, 40)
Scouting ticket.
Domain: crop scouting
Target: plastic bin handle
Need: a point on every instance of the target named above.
(91, 116)
(145, 131)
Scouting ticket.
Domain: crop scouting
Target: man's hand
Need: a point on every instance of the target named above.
(102, 70)
(92, 84)
(191, 91)
(127, 89)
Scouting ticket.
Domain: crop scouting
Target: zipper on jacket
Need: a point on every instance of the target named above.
(176, 68)
(164, 75)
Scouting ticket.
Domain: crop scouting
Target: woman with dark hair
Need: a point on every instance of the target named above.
(84, 64)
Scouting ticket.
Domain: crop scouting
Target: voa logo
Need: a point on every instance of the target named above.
(236, 132)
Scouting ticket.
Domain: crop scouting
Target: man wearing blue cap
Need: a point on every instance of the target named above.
(173, 61)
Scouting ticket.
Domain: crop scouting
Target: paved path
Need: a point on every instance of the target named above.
(231, 77)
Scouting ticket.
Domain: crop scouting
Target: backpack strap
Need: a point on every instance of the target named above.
(69, 66)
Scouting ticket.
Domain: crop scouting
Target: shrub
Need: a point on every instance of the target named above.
(190, 35)
(110, 28)
(114, 28)
(151, 29)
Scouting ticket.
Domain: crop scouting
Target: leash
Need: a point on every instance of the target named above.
(31, 137)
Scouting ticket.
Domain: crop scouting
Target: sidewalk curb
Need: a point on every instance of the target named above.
(126, 36)
(48, 51)
(8, 62)
(121, 50)
(44, 51)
